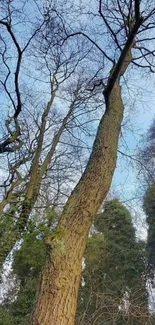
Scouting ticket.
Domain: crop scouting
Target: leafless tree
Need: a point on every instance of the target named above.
(123, 36)
(54, 122)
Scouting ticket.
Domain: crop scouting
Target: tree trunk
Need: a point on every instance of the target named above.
(31, 191)
(60, 281)
(57, 297)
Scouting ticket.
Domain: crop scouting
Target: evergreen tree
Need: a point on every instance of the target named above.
(149, 208)
(27, 265)
(113, 289)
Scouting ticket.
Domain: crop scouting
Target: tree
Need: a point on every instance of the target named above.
(146, 156)
(46, 134)
(114, 288)
(56, 301)
(25, 199)
(146, 168)
(28, 261)
(149, 208)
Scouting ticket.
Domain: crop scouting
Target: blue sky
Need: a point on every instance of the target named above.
(125, 184)
(141, 95)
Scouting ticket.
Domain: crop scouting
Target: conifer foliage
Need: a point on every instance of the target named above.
(112, 286)
(113, 290)
(149, 208)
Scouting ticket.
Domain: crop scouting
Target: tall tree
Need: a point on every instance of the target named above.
(127, 24)
(149, 208)
(50, 151)
(146, 157)
(113, 288)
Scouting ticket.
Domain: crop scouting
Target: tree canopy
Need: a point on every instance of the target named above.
(114, 287)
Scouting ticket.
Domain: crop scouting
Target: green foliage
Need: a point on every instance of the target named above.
(114, 266)
(149, 208)
(27, 265)
(19, 311)
(5, 317)
(114, 269)
(29, 259)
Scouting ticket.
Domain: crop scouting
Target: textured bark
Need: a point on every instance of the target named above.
(57, 296)
(56, 302)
